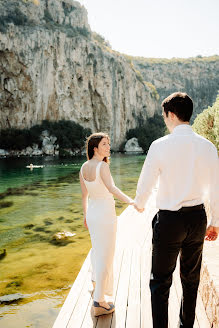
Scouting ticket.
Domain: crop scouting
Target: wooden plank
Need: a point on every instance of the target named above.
(201, 313)
(146, 316)
(80, 309)
(131, 296)
(119, 316)
(89, 319)
(104, 321)
(72, 298)
(134, 299)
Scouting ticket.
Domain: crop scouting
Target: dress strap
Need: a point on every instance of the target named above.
(81, 171)
(98, 169)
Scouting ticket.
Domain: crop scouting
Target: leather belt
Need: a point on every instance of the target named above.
(188, 208)
(191, 208)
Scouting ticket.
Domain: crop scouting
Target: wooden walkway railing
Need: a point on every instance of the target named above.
(131, 284)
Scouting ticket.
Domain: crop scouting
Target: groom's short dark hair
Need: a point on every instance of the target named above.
(180, 104)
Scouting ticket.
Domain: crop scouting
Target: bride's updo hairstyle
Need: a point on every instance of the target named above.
(93, 141)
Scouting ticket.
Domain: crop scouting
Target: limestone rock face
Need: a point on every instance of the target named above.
(199, 77)
(48, 143)
(52, 68)
(133, 146)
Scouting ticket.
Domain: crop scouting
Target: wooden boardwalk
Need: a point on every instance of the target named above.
(131, 286)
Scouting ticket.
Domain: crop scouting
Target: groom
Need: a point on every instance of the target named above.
(186, 168)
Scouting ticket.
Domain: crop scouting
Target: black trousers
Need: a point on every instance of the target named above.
(176, 232)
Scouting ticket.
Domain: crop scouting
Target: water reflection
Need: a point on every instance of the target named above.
(39, 204)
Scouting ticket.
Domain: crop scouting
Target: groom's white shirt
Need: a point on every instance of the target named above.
(186, 168)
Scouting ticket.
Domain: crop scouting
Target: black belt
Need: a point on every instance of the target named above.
(189, 208)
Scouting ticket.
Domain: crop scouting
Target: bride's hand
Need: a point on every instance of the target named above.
(85, 223)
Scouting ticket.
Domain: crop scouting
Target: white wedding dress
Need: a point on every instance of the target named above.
(102, 225)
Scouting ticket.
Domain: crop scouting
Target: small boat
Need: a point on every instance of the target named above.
(31, 166)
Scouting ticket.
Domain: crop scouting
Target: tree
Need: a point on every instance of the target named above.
(148, 131)
(207, 123)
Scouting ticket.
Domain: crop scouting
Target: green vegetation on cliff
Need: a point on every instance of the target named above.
(149, 61)
(69, 135)
(207, 123)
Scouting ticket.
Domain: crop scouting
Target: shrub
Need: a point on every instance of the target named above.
(16, 17)
(100, 39)
(153, 89)
(139, 76)
(12, 139)
(75, 31)
(207, 123)
(69, 135)
(148, 131)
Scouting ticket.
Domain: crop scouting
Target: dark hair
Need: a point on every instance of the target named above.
(180, 104)
(93, 141)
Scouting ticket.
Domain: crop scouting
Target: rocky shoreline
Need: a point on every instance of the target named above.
(51, 148)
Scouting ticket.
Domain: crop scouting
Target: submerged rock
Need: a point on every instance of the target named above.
(3, 253)
(29, 226)
(47, 222)
(63, 235)
(7, 299)
(6, 204)
(62, 238)
(14, 284)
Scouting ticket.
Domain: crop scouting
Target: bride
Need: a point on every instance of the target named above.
(100, 217)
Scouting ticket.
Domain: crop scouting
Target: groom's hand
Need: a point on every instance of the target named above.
(140, 210)
(211, 233)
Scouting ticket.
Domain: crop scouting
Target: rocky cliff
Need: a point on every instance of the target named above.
(199, 77)
(52, 68)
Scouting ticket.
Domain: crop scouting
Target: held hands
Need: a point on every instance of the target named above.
(211, 233)
(140, 210)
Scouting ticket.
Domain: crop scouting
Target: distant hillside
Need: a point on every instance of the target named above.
(198, 76)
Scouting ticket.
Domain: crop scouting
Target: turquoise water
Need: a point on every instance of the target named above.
(34, 205)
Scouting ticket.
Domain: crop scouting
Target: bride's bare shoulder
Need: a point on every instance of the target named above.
(104, 167)
(85, 164)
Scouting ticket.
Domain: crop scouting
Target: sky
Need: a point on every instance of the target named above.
(157, 28)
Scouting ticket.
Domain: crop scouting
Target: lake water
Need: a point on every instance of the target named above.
(34, 205)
